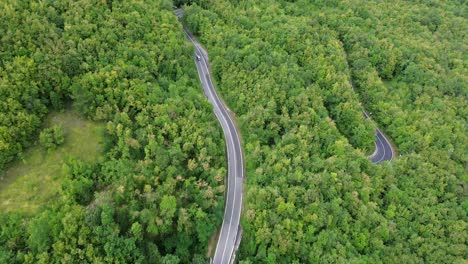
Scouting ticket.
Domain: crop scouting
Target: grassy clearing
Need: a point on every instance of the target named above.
(35, 179)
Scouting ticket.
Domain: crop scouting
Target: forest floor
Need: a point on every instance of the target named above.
(36, 178)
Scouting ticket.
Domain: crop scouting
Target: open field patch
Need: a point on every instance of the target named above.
(36, 179)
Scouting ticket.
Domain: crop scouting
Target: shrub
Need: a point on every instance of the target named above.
(52, 137)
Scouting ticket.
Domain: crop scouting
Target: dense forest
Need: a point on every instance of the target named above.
(298, 75)
(157, 196)
(288, 70)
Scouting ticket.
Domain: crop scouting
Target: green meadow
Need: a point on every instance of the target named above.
(35, 179)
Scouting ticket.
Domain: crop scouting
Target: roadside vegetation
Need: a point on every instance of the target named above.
(312, 196)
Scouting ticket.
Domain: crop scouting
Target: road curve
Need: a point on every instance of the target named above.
(383, 149)
(225, 249)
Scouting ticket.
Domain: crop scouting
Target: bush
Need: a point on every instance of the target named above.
(51, 137)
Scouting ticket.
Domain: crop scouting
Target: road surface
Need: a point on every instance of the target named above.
(225, 249)
(384, 150)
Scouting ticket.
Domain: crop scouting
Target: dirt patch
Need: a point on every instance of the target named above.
(212, 244)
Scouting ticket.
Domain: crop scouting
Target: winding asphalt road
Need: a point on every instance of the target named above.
(383, 149)
(229, 235)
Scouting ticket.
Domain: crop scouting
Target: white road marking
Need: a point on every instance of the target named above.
(383, 147)
(388, 142)
(375, 151)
